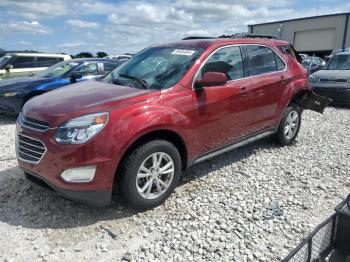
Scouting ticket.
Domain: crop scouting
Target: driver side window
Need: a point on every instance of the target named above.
(227, 60)
(89, 69)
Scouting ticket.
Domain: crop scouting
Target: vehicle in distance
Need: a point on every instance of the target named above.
(167, 108)
(119, 57)
(313, 63)
(25, 64)
(14, 93)
(333, 80)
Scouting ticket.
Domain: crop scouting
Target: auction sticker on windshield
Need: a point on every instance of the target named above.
(183, 52)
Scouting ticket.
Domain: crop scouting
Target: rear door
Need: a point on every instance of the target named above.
(267, 73)
(22, 66)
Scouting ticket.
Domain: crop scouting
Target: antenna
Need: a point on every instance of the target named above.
(317, 6)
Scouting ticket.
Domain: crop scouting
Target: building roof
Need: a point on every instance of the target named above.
(301, 18)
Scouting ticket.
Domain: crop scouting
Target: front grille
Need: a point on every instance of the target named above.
(32, 123)
(333, 80)
(29, 149)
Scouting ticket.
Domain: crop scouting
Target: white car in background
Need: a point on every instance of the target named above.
(26, 64)
(119, 57)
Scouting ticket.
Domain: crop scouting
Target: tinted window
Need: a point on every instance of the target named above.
(108, 67)
(59, 59)
(227, 60)
(46, 61)
(89, 69)
(23, 62)
(261, 60)
(280, 63)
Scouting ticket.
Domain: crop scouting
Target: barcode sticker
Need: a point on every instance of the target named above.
(183, 52)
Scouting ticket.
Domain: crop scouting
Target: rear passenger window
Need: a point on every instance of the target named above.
(23, 62)
(46, 61)
(227, 60)
(261, 60)
(280, 64)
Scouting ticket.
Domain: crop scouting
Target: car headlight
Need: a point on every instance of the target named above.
(81, 129)
(312, 78)
(9, 94)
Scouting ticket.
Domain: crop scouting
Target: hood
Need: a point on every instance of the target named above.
(21, 83)
(333, 74)
(82, 98)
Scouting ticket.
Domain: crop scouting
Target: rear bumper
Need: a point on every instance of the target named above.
(340, 96)
(94, 198)
(10, 105)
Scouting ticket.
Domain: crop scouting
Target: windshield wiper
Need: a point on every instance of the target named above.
(142, 82)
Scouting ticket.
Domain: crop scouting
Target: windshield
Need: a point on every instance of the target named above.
(339, 62)
(155, 67)
(58, 70)
(4, 59)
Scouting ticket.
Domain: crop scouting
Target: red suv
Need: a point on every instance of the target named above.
(167, 108)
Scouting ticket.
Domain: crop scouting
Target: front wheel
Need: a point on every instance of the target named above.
(290, 124)
(150, 174)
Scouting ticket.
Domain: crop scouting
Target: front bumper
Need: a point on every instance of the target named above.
(57, 158)
(11, 105)
(94, 198)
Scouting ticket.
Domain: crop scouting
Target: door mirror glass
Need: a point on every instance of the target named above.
(75, 75)
(211, 79)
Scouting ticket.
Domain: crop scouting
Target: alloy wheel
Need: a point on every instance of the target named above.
(291, 124)
(155, 175)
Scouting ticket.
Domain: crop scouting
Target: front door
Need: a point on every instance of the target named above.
(219, 114)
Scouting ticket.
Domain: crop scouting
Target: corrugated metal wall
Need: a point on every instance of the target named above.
(332, 26)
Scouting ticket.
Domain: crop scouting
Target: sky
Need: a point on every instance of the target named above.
(118, 27)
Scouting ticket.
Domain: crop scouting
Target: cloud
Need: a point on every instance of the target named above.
(24, 27)
(37, 8)
(80, 24)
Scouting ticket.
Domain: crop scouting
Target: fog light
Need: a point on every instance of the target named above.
(79, 174)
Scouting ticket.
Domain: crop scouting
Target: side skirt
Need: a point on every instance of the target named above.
(229, 147)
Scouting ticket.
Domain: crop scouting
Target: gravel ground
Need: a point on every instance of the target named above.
(253, 204)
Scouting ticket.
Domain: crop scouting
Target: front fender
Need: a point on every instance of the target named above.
(128, 125)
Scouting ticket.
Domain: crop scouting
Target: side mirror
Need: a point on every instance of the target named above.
(211, 79)
(8, 67)
(74, 76)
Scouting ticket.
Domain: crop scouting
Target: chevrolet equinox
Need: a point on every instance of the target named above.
(169, 107)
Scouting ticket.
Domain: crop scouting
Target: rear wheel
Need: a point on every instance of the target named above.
(289, 127)
(150, 174)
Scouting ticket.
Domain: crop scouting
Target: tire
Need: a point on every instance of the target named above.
(144, 184)
(284, 137)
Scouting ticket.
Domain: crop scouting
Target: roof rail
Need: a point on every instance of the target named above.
(198, 37)
(255, 36)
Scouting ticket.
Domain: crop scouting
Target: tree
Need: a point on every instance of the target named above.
(84, 54)
(101, 54)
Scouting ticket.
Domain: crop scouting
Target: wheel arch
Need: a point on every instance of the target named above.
(162, 134)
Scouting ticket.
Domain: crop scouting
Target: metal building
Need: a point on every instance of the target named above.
(317, 35)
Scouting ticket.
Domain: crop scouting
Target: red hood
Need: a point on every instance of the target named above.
(83, 98)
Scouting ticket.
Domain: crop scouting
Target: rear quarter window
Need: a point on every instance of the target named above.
(46, 61)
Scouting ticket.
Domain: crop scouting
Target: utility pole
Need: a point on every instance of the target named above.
(317, 5)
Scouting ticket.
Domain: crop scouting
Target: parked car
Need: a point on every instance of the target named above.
(25, 64)
(167, 108)
(313, 63)
(334, 80)
(303, 55)
(14, 93)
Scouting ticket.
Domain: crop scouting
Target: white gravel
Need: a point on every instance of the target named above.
(253, 204)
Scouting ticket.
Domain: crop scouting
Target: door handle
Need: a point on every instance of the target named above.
(243, 91)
